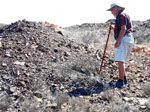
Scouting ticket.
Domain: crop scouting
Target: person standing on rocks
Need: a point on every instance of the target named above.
(123, 41)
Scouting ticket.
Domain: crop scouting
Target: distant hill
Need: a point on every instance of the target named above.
(1, 25)
(96, 32)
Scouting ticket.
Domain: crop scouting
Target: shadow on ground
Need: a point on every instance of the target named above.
(86, 90)
(83, 87)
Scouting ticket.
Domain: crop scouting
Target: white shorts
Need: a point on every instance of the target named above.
(122, 52)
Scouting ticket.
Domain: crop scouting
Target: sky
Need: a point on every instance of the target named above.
(69, 12)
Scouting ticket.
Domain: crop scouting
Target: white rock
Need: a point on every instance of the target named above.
(8, 55)
(51, 104)
(13, 89)
(38, 99)
(19, 63)
(67, 53)
(4, 64)
(128, 99)
(143, 107)
(142, 101)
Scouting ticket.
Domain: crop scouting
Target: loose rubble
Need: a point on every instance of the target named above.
(44, 69)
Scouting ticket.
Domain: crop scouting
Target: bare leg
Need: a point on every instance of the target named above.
(121, 70)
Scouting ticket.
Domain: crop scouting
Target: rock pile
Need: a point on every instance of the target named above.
(43, 70)
(36, 58)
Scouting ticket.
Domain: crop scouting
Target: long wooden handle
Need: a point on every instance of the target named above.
(105, 48)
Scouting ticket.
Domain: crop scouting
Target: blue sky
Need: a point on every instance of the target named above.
(69, 12)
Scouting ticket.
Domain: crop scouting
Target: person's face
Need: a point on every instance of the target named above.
(114, 11)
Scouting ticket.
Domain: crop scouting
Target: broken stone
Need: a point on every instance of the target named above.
(38, 99)
(7, 54)
(19, 63)
(67, 54)
(4, 65)
(142, 101)
(143, 107)
(13, 89)
(130, 100)
(0, 44)
(39, 95)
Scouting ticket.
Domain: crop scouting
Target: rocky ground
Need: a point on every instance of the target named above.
(46, 68)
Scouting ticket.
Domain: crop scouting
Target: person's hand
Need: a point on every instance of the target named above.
(111, 27)
(117, 44)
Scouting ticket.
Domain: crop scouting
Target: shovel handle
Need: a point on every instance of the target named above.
(105, 49)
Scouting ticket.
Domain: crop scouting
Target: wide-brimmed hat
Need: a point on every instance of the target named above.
(115, 5)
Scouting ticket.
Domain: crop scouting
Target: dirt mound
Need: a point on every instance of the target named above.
(34, 58)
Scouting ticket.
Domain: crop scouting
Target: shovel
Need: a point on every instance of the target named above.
(105, 49)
